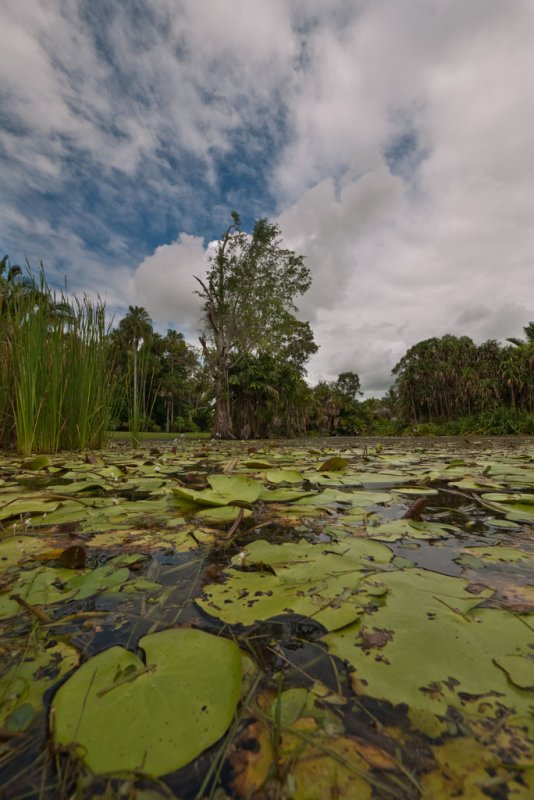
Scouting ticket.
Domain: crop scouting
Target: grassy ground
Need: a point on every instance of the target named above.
(160, 436)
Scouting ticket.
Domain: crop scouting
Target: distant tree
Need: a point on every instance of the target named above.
(348, 384)
(529, 334)
(134, 330)
(248, 305)
(177, 364)
(269, 395)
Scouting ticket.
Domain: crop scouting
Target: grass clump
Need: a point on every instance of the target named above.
(56, 383)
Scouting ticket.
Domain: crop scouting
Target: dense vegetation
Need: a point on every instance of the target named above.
(55, 375)
(66, 377)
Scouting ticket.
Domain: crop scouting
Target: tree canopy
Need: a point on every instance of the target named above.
(249, 307)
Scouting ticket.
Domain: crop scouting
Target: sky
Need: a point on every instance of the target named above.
(391, 140)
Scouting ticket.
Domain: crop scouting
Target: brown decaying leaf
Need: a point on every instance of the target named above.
(251, 759)
(375, 638)
(73, 557)
(416, 509)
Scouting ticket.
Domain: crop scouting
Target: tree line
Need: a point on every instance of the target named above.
(247, 377)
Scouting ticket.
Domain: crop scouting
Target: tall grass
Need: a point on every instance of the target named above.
(57, 388)
(141, 391)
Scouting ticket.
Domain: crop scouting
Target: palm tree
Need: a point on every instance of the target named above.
(134, 330)
(529, 333)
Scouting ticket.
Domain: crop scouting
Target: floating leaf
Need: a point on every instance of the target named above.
(520, 669)
(332, 768)
(495, 554)
(283, 495)
(325, 583)
(17, 548)
(225, 490)
(399, 528)
(333, 464)
(283, 476)
(39, 462)
(35, 670)
(123, 715)
(27, 506)
(442, 650)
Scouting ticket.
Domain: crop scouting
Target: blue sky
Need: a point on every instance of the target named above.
(392, 141)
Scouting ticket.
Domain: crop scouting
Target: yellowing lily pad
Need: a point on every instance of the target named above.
(283, 476)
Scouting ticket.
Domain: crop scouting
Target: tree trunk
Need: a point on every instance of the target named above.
(135, 387)
(222, 424)
(167, 415)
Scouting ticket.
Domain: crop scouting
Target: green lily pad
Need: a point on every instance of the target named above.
(333, 464)
(225, 490)
(520, 669)
(399, 528)
(17, 548)
(515, 498)
(222, 514)
(495, 554)
(325, 583)
(428, 646)
(283, 495)
(123, 715)
(37, 587)
(283, 476)
(22, 687)
(26, 506)
(101, 579)
(39, 462)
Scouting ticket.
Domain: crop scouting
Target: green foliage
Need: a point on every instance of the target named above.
(56, 380)
(484, 389)
(248, 304)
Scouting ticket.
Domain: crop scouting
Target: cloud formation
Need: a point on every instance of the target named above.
(391, 141)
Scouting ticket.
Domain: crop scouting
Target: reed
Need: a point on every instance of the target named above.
(142, 391)
(57, 385)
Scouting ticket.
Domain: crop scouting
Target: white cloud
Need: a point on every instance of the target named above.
(164, 284)
(401, 138)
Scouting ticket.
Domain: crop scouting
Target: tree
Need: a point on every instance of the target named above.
(529, 333)
(134, 329)
(248, 305)
(178, 360)
(348, 384)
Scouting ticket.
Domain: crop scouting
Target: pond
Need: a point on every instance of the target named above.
(329, 618)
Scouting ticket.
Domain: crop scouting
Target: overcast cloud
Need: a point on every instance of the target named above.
(393, 141)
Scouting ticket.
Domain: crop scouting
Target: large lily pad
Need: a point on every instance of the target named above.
(123, 715)
(430, 647)
(325, 583)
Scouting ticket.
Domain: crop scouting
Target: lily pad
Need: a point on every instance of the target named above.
(325, 583)
(123, 715)
(283, 476)
(399, 528)
(333, 464)
(496, 554)
(439, 650)
(225, 490)
(37, 668)
(17, 548)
